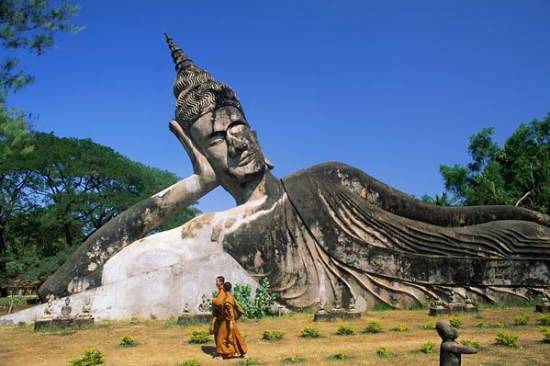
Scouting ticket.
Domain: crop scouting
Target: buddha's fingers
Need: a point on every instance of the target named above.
(201, 166)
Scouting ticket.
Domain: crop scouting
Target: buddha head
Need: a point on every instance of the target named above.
(211, 115)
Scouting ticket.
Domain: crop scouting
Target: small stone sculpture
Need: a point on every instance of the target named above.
(206, 305)
(86, 312)
(438, 307)
(454, 306)
(66, 309)
(351, 305)
(202, 315)
(544, 306)
(48, 311)
(470, 307)
(450, 353)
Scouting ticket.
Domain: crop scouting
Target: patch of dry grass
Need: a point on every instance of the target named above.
(168, 346)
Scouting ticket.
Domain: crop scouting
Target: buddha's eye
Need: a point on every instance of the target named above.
(217, 138)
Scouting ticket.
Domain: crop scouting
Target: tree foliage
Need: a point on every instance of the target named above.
(30, 25)
(63, 190)
(516, 174)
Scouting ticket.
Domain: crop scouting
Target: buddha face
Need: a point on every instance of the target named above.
(230, 145)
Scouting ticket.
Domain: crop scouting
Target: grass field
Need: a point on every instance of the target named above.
(162, 342)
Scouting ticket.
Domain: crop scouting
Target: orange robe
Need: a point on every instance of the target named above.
(229, 342)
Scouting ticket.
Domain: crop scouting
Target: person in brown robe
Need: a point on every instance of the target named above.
(229, 341)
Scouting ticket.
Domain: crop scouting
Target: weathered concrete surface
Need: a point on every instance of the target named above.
(327, 233)
(156, 276)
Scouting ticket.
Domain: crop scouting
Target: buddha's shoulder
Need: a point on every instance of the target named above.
(333, 171)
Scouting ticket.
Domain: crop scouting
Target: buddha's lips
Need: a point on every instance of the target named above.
(246, 158)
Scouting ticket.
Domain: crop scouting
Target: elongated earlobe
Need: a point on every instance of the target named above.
(267, 162)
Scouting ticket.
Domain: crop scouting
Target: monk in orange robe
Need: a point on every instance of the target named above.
(229, 341)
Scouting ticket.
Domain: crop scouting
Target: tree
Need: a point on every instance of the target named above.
(31, 25)
(14, 145)
(68, 188)
(517, 174)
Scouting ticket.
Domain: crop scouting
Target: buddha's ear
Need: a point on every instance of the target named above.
(267, 162)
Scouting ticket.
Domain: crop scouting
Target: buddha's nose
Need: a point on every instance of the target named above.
(236, 144)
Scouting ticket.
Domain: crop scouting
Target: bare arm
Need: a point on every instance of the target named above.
(455, 347)
(189, 190)
(83, 269)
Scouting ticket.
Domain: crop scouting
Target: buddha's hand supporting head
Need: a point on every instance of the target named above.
(201, 165)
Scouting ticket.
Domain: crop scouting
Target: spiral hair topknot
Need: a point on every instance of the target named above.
(196, 91)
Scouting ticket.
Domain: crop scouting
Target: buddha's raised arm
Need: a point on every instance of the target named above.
(83, 269)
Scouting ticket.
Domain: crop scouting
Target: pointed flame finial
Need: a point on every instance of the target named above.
(179, 57)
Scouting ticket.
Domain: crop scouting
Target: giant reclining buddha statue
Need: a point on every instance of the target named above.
(324, 234)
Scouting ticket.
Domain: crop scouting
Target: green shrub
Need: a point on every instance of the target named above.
(521, 320)
(373, 327)
(309, 332)
(338, 356)
(259, 306)
(399, 328)
(481, 325)
(292, 360)
(91, 357)
(127, 341)
(427, 348)
(455, 321)
(249, 362)
(429, 325)
(546, 333)
(272, 335)
(383, 352)
(345, 330)
(507, 339)
(191, 362)
(470, 343)
(544, 320)
(199, 337)
(17, 301)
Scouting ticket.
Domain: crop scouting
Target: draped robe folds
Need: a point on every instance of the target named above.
(336, 234)
(229, 342)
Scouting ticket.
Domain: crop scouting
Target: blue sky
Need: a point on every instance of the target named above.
(394, 88)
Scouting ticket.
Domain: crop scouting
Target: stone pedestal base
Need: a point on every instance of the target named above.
(471, 309)
(542, 308)
(62, 323)
(321, 316)
(194, 318)
(439, 310)
(455, 308)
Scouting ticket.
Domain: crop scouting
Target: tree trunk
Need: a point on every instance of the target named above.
(68, 235)
(2, 240)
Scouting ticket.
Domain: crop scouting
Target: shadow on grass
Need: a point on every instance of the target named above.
(209, 350)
